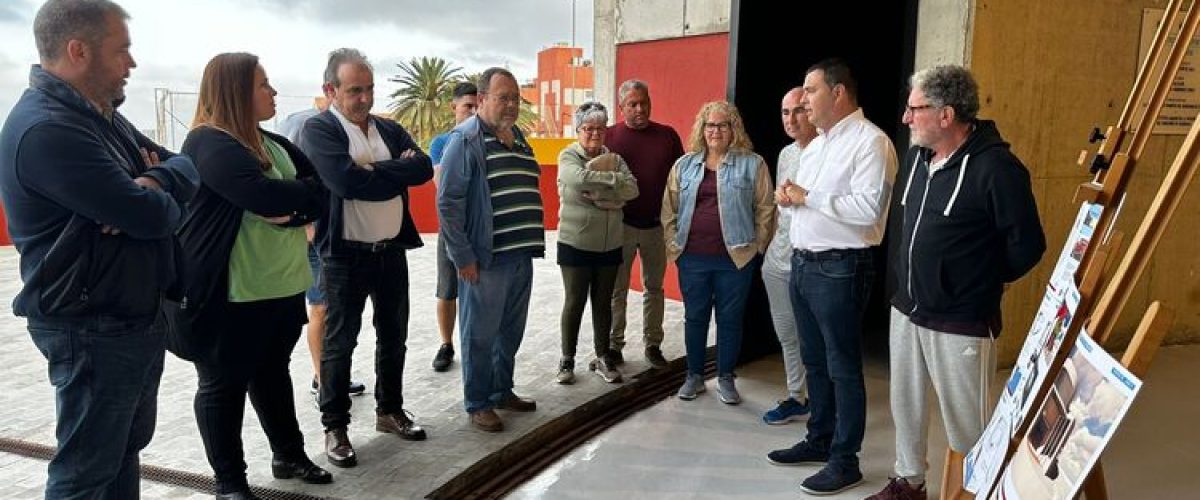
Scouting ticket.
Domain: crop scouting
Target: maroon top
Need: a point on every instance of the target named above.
(650, 153)
(704, 236)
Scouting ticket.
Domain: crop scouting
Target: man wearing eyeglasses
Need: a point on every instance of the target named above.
(970, 227)
(838, 199)
(490, 212)
(651, 149)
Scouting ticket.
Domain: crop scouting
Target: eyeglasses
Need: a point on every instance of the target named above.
(593, 130)
(715, 126)
(507, 100)
(910, 109)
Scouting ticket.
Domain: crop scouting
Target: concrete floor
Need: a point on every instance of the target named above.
(704, 449)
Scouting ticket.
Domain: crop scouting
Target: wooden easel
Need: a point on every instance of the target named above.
(1107, 188)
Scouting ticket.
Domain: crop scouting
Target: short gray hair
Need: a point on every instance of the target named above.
(590, 111)
(343, 56)
(630, 86)
(60, 21)
(951, 86)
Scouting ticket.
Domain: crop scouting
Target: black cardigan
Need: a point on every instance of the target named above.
(324, 140)
(232, 181)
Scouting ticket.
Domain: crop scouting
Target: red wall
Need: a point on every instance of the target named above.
(683, 74)
(4, 239)
(424, 198)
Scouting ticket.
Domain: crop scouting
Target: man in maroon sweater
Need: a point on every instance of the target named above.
(650, 149)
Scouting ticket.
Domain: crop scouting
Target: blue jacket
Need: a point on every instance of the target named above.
(464, 200)
(325, 142)
(65, 170)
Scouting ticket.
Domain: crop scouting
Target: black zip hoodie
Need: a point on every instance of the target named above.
(968, 229)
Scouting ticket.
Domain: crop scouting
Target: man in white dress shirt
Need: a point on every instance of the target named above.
(838, 200)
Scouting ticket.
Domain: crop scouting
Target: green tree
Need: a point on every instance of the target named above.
(421, 104)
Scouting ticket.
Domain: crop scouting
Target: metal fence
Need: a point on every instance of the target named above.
(174, 110)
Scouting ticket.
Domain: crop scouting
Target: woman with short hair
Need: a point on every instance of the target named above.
(593, 186)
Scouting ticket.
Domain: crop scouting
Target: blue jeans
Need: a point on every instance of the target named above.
(829, 292)
(105, 372)
(707, 281)
(491, 315)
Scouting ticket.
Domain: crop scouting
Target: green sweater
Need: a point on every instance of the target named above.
(590, 202)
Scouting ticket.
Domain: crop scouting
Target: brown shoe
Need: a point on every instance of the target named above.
(899, 488)
(517, 403)
(487, 421)
(400, 424)
(338, 449)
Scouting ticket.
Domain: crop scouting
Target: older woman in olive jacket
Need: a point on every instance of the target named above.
(593, 186)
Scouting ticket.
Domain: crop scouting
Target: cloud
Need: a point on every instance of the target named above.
(15, 13)
(509, 29)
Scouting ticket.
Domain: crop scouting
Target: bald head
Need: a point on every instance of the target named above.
(795, 118)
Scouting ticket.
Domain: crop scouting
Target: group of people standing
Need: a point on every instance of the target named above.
(127, 248)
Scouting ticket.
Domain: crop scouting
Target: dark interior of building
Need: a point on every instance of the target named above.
(771, 46)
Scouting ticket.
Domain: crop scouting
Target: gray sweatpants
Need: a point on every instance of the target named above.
(960, 368)
(780, 299)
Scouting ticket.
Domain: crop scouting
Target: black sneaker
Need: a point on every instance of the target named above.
(355, 389)
(799, 454)
(615, 356)
(831, 480)
(654, 356)
(445, 355)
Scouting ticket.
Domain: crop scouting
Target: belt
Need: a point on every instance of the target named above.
(834, 254)
(376, 247)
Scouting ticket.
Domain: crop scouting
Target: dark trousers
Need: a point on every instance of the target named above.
(349, 280)
(579, 283)
(829, 292)
(708, 282)
(105, 373)
(251, 356)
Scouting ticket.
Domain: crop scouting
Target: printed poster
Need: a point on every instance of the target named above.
(1089, 398)
(1076, 245)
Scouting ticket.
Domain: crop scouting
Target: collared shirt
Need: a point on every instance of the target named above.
(779, 255)
(848, 171)
(369, 221)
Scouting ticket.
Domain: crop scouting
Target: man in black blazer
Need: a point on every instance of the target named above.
(368, 164)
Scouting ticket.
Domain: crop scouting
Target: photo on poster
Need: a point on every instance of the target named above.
(1070, 429)
(1040, 348)
(982, 464)
(1076, 245)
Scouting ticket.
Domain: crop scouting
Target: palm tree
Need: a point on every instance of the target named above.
(422, 102)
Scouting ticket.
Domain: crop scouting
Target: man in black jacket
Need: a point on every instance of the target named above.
(368, 165)
(92, 206)
(970, 227)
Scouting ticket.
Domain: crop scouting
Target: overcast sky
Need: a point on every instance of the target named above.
(174, 39)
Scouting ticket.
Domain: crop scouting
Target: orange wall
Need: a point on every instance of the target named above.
(683, 73)
(424, 198)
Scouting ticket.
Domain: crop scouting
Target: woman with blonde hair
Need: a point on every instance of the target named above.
(247, 271)
(718, 215)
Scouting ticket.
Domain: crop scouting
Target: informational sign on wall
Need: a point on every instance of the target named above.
(1183, 102)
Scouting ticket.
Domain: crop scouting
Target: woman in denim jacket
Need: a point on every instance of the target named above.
(717, 216)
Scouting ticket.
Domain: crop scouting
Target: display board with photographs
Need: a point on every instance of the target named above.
(1077, 419)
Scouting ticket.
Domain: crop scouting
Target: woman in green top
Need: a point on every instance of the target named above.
(247, 270)
(593, 186)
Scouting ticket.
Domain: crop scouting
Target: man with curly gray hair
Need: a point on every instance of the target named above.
(970, 227)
